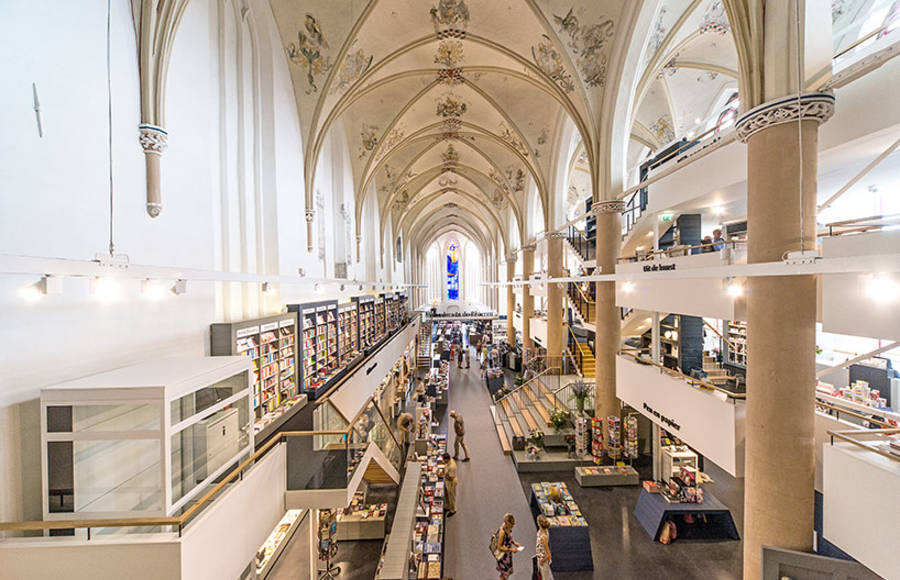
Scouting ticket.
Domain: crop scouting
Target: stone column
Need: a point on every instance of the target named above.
(781, 325)
(556, 325)
(607, 321)
(527, 298)
(510, 299)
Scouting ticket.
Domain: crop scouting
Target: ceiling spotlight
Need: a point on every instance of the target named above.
(153, 290)
(46, 285)
(882, 288)
(734, 289)
(718, 210)
(628, 287)
(317, 288)
(342, 287)
(267, 288)
(105, 289)
(360, 287)
(179, 287)
(300, 272)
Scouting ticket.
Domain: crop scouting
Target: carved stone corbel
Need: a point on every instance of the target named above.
(159, 21)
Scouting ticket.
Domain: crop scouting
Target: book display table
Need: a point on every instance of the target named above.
(595, 476)
(653, 509)
(495, 380)
(361, 522)
(570, 539)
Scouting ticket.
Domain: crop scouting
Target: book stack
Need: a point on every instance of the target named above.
(428, 537)
(557, 505)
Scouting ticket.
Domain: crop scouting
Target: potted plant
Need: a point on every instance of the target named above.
(519, 380)
(559, 418)
(570, 445)
(535, 443)
(580, 393)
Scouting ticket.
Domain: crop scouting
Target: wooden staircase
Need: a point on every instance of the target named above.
(715, 374)
(588, 365)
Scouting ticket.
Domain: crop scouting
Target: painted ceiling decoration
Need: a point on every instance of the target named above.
(470, 99)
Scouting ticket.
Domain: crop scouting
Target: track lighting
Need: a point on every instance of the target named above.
(153, 290)
(105, 289)
(179, 287)
(46, 285)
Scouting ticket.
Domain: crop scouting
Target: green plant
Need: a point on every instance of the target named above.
(536, 437)
(580, 392)
(519, 380)
(559, 418)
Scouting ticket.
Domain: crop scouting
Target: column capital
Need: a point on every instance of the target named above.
(528, 248)
(154, 140)
(511, 257)
(557, 235)
(809, 107)
(599, 208)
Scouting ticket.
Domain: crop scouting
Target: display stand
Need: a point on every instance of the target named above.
(274, 545)
(495, 380)
(570, 539)
(652, 510)
(360, 521)
(606, 476)
(327, 545)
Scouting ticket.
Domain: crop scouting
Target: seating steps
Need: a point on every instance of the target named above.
(501, 432)
(538, 405)
(511, 418)
(523, 410)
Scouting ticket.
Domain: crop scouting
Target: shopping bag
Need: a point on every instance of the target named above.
(535, 569)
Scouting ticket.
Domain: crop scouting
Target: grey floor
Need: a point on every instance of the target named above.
(489, 487)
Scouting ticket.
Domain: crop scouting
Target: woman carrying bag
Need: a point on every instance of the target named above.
(505, 547)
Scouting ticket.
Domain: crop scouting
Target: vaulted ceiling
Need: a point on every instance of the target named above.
(455, 109)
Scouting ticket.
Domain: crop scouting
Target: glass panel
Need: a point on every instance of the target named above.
(117, 476)
(125, 417)
(327, 418)
(211, 443)
(59, 419)
(60, 493)
(204, 398)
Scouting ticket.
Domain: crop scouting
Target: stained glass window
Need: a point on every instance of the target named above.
(452, 270)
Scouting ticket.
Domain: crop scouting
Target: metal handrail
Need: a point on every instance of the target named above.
(690, 380)
(518, 388)
(733, 243)
(576, 355)
(852, 413)
(858, 41)
(850, 437)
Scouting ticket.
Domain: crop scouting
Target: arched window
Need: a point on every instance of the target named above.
(453, 255)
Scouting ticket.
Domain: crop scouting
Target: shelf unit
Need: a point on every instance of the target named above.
(379, 318)
(348, 333)
(317, 352)
(270, 343)
(736, 331)
(391, 312)
(366, 308)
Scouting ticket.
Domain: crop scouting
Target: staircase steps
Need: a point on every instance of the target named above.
(523, 410)
(588, 363)
(548, 396)
(501, 432)
(511, 418)
(538, 406)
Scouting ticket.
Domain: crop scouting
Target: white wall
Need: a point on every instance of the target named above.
(712, 426)
(232, 188)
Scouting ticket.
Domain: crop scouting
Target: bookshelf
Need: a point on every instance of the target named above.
(270, 343)
(391, 312)
(318, 354)
(348, 333)
(736, 331)
(366, 312)
(379, 319)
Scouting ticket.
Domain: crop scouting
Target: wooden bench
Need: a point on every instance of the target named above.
(547, 394)
(504, 442)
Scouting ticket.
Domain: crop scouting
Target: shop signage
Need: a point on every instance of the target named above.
(246, 331)
(268, 327)
(659, 267)
(287, 322)
(669, 423)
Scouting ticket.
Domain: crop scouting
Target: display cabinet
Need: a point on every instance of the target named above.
(379, 318)
(348, 333)
(143, 440)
